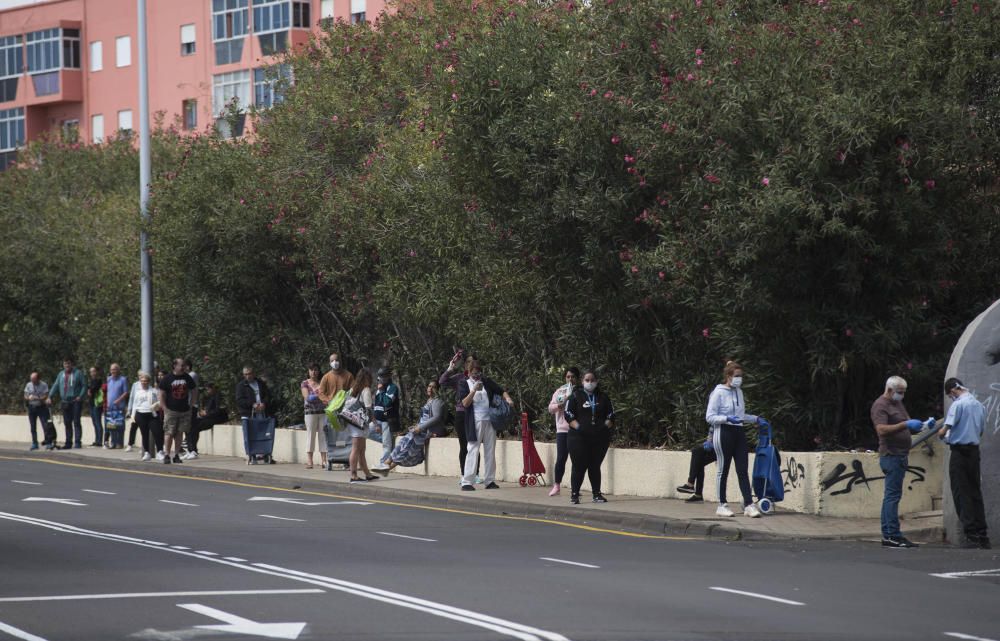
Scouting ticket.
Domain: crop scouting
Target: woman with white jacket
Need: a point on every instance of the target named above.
(142, 406)
(557, 407)
(726, 415)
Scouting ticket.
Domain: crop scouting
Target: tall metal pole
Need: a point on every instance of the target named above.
(145, 173)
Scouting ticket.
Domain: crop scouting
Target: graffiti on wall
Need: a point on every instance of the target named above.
(843, 478)
(793, 473)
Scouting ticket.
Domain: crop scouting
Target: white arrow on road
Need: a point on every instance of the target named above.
(301, 502)
(63, 501)
(239, 625)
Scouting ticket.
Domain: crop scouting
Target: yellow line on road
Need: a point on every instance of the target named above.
(533, 519)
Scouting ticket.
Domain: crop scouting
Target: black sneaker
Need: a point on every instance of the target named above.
(177, 458)
(694, 498)
(599, 498)
(897, 542)
(468, 488)
(984, 543)
(492, 486)
(166, 460)
(574, 499)
(687, 488)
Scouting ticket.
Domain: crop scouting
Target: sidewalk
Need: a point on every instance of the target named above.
(670, 517)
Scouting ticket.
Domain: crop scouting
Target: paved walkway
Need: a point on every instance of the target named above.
(634, 514)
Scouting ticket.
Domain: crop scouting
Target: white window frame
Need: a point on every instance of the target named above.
(97, 128)
(13, 121)
(123, 51)
(45, 40)
(96, 53)
(9, 46)
(231, 22)
(271, 12)
(125, 122)
(226, 86)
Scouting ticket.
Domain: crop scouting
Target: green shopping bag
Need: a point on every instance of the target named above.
(334, 406)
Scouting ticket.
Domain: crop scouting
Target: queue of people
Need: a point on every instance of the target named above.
(166, 414)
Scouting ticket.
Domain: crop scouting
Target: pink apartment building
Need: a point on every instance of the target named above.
(72, 64)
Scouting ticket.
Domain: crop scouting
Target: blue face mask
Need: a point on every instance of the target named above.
(896, 396)
(737, 382)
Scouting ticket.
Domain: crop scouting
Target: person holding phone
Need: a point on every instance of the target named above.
(557, 407)
(456, 377)
(480, 395)
(591, 417)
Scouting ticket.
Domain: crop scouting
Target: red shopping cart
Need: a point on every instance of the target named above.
(534, 469)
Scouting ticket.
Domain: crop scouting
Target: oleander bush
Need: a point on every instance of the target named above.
(647, 187)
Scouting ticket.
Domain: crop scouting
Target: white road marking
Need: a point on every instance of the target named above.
(582, 565)
(143, 595)
(24, 482)
(206, 553)
(17, 632)
(179, 503)
(403, 536)
(758, 596)
(100, 492)
(235, 558)
(239, 625)
(301, 502)
(968, 637)
(965, 575)
(478, 619)
(179, 547)
(40, 499)
(281, 518)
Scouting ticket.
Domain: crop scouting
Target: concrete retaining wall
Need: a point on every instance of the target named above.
(828, 483)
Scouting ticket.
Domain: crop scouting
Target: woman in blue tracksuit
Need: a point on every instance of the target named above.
(726, 414)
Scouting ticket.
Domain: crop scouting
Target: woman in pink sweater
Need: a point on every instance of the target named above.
(557, 407)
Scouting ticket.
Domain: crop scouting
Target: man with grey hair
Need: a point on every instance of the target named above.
(893, 426)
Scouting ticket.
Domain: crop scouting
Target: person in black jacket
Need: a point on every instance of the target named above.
(480, 394)
(591, 416)
(252, 396)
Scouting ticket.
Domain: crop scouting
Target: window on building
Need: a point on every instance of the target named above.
(230, 89)
(125, 120)
(97, 128)
(11, 66)
(271, 15)
(189, 109)
(187, 39)
(357, 11)
(71, 48)
(70, 130)
(123, 51)
(269, 84)
(273, 43)
(11, 128)
(230, 22)
(44, 60)
(300, 15)
(326, 16)
(96, 56)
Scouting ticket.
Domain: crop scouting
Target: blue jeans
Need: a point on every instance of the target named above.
(71, 421)
(35, 413)
(385, 438)
(95, 416)
(894, 467)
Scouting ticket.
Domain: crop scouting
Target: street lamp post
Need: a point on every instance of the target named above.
(146, 261)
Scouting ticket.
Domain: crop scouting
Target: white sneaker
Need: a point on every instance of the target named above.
(192, 455)
(128, 448)
(479, 480)
(381, 467)
(146, 456)
(159, 455)
(723, 510)
(751, 511)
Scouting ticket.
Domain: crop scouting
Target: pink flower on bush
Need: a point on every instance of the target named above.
(765, 181)
(635, 270)
(929, 183)
(615, 139)
(689, 77)
(699, 62)
(849, 332)
(454, 97)
(909, 364)
(662, 275)
(705, 333)
(712, 178)
(698, 52)
(608, 95)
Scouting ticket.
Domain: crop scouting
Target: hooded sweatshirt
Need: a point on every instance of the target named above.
(724, 402)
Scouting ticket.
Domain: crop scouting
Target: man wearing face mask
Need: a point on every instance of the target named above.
(386, 415)
(481, 393)
(893, 426)
(335, 380)
(963, 428)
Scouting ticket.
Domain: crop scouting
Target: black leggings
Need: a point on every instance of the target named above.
(700, 458)
(143, 421)
(587, 449)
(562, 453)
(156, 429)
(731, 446)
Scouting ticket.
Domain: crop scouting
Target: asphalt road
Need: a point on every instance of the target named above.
(128, 555)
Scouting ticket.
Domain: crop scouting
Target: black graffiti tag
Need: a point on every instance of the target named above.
(793, 472)
(857, 476)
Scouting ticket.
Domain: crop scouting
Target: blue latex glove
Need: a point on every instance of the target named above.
(931, 422)
(763, 421)
(707, 445)
(914, 425)
(736, 420)
(312, 398)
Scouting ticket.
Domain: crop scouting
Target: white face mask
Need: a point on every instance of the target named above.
(737, 382)
(590, 386)
(896, 396)
(334, 364)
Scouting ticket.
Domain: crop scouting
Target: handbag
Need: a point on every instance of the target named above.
(500, 414)
(354, 413)
(334, 406)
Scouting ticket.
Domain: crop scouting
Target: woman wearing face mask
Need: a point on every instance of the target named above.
(557, 407)
(591, 418)
(726, 414)
(314, 415)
